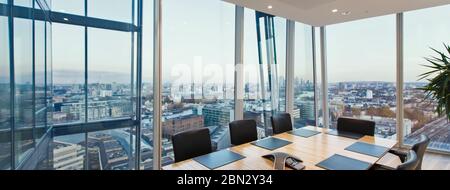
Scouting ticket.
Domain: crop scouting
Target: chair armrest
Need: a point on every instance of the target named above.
(402, 155)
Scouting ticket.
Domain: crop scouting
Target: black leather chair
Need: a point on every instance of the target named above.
(281, 123)
(243, 131)
(411, 162)
(358, 126)
(419, 148)
(192, 143)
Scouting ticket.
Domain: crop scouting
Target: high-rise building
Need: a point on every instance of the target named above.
(216, 115)
(307, 110)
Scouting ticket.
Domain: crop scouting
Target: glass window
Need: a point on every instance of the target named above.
(109, 75)
(422, 30)
(258, 104)
(49, 68)
(68, 73)
(23, 3)
(198, 70)
(117, 10)
(69, 152)
(23, 58)
(147, 89)
(71, 7)
(318, 71)
(40, 71)
(361, 72)
(111, 150)
(280, 53)
(5, 95)
(252, 93)
(304, 111)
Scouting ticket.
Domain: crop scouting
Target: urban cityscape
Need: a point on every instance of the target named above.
(212, 106)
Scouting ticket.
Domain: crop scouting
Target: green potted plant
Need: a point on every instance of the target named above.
(438, 88)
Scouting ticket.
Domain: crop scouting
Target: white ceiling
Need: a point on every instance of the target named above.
(319, 12)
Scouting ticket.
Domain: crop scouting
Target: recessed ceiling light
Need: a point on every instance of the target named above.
(66, 19)
(346, 13)
(269, 7)
(334, 10)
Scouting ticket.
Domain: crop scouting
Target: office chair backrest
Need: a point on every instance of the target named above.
(420, 148)
(358, 126)
(281, 123)
(243, 131)
(192, 143)
(411, 162)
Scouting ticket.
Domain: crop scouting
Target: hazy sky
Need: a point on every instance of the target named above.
(201, 32)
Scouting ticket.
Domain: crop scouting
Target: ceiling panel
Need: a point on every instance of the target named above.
(319, 12)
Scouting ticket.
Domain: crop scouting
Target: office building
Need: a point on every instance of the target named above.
(216, 115)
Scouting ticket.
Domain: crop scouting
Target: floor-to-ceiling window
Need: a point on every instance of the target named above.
(424, 29)
(280, 52)
(95, 67)
(318, 82)
(5, 104)
(147, 88)
(264, 68)
(304, 95)
(109, 77)
(68, 73)
(361, 58)
(197, 70)
(24, 83)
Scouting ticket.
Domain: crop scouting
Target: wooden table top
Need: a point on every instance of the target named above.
(311, 150)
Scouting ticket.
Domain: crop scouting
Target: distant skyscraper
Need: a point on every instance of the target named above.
(307, 110)
(369, 94)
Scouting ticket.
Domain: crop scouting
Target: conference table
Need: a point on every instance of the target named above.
(311, 150)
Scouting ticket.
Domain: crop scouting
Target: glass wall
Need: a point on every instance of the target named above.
(304, 110)
(116, 10)
(68, 73)
(94, 86)
(24, 84)
(423, 30)
(280, 69)
(5, 95)
(109, 77)
(40, 107)
(198, 70)
(318, 82)
(264, 82)
(362, 73)
(147, 88)
(75, 7)
(23, 87)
